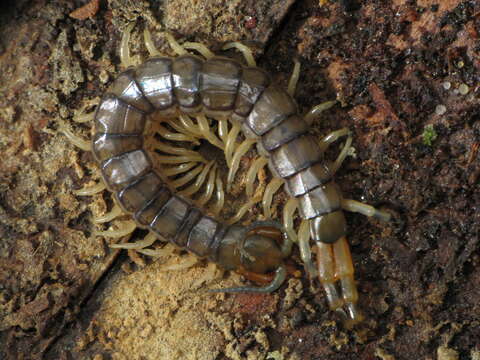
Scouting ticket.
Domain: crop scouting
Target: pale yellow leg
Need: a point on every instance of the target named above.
(209, 187)
(326, 273)
(127, 228)
(243, 210)
(180, 50)
(220, 195)
(364, 209)
(178, 169)
(344, 273)
(114, 213)
(125, 58)
(187, 177)
(272, 187)
(152, 49)
(241, 150)
(75, 140)
(245, 50)
(292, 84)
(137, 245)
(252, 173)
(200, 48)
(305, 250)
(332, 137)
(315, 112)
(195, 187)
(92, 190)
(288, 211)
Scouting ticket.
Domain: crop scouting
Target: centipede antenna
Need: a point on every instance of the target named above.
(280, 276)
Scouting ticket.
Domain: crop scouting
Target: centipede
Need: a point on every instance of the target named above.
(182, 98)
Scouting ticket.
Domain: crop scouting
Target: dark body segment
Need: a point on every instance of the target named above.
(272, 107)
(189, 222)
(252, 84)
(126, 88)
(186, 80)
(219, 81)
(147, 214)
(295, 156)
(322, 200)
(122, 170)
(114, 116)
(202, 235)
(106, 146)
(308, 179)
(168, 221)
(154, 77)
(138, 194)
(284, 132)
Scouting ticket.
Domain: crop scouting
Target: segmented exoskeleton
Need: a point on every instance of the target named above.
(220, 87)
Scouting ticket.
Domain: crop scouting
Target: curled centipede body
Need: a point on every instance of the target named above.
(222, 88)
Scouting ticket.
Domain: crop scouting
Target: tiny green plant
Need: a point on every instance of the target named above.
(429, 135)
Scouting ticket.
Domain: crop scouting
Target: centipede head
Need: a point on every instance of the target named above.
(255, 249)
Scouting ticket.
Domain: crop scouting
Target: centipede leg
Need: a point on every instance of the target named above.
(344, 273)
(326, 274)
(332, 137)
(235, 163)
(272, 187)
(199, 47)
(245, 50)
(74, 139)
(364, 209)
(92, 190)
(84, 118)
(147, 38)
(316, 111)
(179, 49)
(252, 174)
(292, 84)
(125, 58)
(304, 246)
